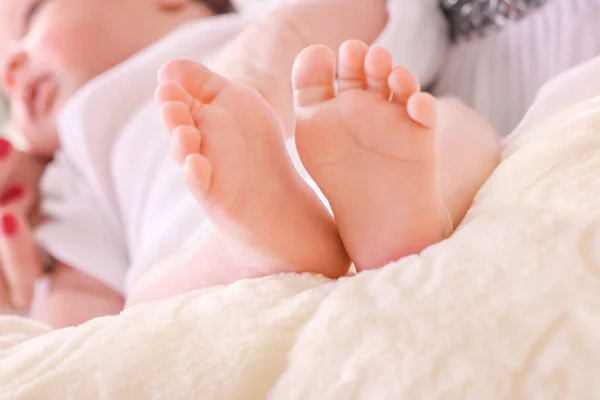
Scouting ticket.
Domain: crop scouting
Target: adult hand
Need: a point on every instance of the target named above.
(20, 264)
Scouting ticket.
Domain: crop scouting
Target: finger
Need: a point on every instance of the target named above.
(18, 168)
(7, 160)
(5, 148)
(15, 199)
(19, 173)
(20, 260)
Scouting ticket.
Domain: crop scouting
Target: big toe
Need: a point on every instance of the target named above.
(313, 76)
(196, 79)
(172, 92)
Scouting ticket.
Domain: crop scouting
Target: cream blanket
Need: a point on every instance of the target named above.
(508, 308)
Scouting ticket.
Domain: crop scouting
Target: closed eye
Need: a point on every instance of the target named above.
(32, 11)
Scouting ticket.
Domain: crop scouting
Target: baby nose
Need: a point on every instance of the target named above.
(11, 68)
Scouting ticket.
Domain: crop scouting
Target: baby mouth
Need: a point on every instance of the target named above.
(39, 96)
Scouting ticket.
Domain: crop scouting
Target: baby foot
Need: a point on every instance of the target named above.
(235, 162)
(370, 147)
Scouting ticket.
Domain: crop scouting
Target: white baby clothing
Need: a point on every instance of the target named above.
(499, 73)
(116, 200)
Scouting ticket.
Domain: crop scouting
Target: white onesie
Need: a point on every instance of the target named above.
(116, 200)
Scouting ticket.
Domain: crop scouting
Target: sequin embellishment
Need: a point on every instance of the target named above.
(469, 18)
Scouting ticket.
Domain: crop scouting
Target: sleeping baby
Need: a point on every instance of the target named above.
(134, 214)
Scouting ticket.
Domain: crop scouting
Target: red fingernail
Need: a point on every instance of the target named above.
(5, 148)
(11, 194)
(8, 224)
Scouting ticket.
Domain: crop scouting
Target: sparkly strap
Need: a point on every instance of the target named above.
(469, 18)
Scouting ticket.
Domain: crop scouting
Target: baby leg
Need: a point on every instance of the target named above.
(468, 151)
(265, 218)
(399, 168)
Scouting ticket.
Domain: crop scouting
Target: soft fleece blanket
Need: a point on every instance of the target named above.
(507, 308)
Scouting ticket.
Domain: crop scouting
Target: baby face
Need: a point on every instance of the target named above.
(50, 48)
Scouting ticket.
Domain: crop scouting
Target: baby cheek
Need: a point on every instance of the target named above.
(64, 50)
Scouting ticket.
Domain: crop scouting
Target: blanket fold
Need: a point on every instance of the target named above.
(507, 308)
